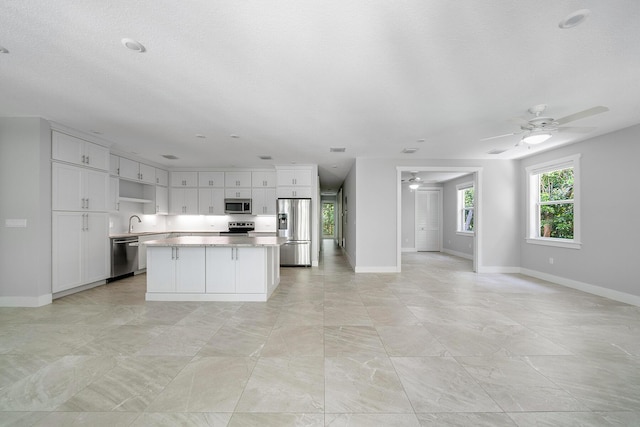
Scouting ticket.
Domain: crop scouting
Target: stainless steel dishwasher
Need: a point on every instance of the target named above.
(124, 256)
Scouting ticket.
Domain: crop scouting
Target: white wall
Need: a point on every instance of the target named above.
(610, 216)
(25, 194)
(452, 242)
(349, 206)
(408, 218)
(377, 218)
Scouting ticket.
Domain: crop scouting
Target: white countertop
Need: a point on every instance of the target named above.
(219, 241)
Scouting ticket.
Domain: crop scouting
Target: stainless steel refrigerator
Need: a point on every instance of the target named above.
(294, 223)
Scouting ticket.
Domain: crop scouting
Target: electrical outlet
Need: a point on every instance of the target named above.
(550, 260)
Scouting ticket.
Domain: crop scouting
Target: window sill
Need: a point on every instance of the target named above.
(559, 243)
(465, 233)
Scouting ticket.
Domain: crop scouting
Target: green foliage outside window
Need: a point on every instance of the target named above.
(328, 219)
(467, 210)
(556, 217)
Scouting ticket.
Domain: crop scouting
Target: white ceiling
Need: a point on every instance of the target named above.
(293, 78)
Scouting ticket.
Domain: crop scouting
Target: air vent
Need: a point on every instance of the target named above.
(409, 150)
(337, 150)
(497, 151)
(169, 156)
(265, 157)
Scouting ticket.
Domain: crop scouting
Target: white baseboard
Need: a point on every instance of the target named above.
(376, 269)
(456, 253)
(26, 301)
(498, 269)
(409, 250)
(585, 287)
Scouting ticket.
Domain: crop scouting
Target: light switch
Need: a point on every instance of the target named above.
(15, 223)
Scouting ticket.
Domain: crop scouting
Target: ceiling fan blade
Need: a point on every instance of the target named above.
(582, 114)
(577, 129)
(500, 136)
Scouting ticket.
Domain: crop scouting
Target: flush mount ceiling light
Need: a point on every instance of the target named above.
(536, 137)
(201, 136)
(169, 156)
(574, 19)
(337, 149)
(234, 136)
(409, 150)
(134, 45)
(497, 151)
(4, 50)
(265, 157)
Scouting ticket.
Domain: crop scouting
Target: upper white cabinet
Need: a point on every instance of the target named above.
(237, 193)
(130, 169)
(294, 192)
(211, 179)
(183, 201)
(294, 177)
(160, 198)
(237, 179)
(162, 177)
(263, 201)
(114, 165)
(211, 201)
(70, 149)
(184, 179)
(266, 179)
(78, 189)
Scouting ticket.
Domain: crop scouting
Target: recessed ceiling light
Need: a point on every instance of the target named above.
(4, 50)
(201, 136)
(233, 135)
(169, 156)
(409, 150)
(334, 166)
(96, 132)
(134, 45)
(574, 19)
(421, 140)
(337, 149)
(265, 157)
(497, 151)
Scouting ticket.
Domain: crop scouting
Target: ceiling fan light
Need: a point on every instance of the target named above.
(414, 186)
(536, 138)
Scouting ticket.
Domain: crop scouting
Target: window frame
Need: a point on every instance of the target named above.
(460, 208)
(533, 173)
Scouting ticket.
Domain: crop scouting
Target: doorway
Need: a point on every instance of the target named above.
(328, 220)
(476, 173)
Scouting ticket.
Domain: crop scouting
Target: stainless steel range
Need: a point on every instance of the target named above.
(239, 228)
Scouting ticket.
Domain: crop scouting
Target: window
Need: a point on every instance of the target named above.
(553, 203)
(466, 201)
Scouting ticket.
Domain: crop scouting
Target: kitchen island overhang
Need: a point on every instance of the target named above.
(213, 268)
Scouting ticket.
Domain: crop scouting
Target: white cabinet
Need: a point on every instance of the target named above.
(237, 193)
(70, 149)
(266, 179)
(211, 179)
(176, 269)
(211, 201)
(114, 165)
(162, 177)
(183, 201)
(293, 192)
(237, 179)
(263, 201)
(78, 189)
(184, 179)
(130, 169)
(114, 194)
(294, 177)
(80, 249)
(239, 270)
(160, 198)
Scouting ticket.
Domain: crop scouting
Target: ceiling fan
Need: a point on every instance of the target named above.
(414, 181)
(540, 128)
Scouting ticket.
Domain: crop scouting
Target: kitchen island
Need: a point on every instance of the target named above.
(213, 268)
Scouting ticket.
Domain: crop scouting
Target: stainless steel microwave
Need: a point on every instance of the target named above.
(237, 206)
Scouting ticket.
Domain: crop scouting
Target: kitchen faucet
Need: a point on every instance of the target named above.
(130, 225)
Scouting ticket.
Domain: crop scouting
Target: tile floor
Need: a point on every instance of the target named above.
(436, 345)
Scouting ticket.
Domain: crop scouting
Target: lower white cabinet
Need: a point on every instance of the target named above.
(176, 269)
(236, 270)
(80, 249)
(142, 249)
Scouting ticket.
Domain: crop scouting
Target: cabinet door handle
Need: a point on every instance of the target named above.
(172, 252)
(177, 253)
(87, 203)
(157, 180)
(88, 162)
(231, 253)
(118, 171)
(237, 254)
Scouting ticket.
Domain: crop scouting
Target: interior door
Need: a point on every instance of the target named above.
(428, 220)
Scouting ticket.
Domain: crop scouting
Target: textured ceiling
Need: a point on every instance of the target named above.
(294, 78)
